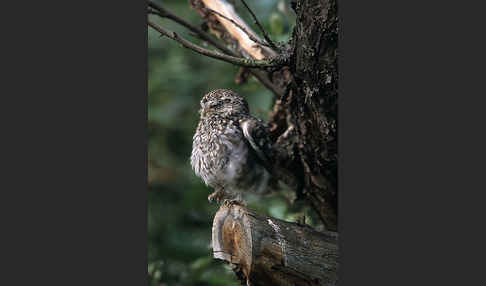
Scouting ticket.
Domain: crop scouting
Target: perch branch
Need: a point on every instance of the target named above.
(213, 54)
(267, 251)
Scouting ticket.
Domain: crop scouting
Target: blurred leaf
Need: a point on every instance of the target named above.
(201, 263)
(276, 24)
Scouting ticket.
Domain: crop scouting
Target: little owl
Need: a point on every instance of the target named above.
(231, 150)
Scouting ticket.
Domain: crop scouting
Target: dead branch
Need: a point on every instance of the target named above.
(246, 44)
(162, 12)
(252, 37)
(213, 54)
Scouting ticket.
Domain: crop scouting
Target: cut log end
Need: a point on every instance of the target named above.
(268, 251)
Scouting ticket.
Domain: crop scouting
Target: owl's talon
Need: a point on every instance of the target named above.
(216, 196)
(229, 203)
(212, 197)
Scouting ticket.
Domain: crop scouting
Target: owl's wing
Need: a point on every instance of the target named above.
(257, 134)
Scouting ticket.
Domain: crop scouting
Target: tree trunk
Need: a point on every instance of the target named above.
(268, 251)
(311, 103)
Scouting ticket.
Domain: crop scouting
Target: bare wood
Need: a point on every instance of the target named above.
(254, 49)
(250, 35)
(267, 251)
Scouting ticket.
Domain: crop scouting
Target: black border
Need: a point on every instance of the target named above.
(75, 164)
(410, 120)
(411, 129)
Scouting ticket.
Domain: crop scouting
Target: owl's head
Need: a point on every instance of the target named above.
(223, 102)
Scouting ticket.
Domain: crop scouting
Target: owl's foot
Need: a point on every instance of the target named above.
(221, 197)
(216, 196)
(237, 201)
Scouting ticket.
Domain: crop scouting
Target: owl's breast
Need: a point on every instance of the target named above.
(219, 154)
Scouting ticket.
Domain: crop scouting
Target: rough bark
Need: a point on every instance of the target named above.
(311, 103)
(267, 251)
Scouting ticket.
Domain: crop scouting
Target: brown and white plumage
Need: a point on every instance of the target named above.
(231, 150)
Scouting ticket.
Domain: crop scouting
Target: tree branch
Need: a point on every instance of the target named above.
(250, 35)
(265, 35)
(213, 54)
(164, 13)
(219, 25)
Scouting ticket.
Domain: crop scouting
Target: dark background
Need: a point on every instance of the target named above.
(74, 134)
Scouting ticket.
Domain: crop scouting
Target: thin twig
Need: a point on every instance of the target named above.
(213, 54)
(250, 35)
(270, 43)
(203, 35)
(153, 12)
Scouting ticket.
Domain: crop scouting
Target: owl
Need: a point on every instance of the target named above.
(231, 150)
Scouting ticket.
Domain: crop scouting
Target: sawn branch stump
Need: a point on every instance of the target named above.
(267, 251)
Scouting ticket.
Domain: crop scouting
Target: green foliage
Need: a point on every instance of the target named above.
(179, 215)
(276, 24)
